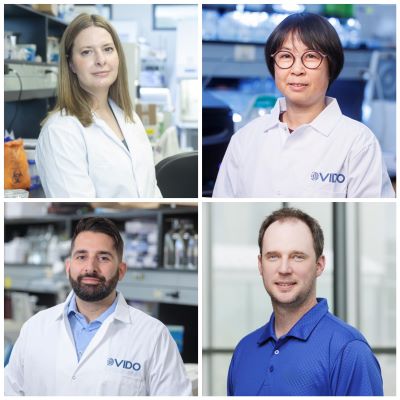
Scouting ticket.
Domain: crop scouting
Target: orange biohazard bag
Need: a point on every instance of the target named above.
(16, 167)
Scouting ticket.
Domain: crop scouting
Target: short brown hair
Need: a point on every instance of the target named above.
(73, 99)
(100, 225)
(294, 213)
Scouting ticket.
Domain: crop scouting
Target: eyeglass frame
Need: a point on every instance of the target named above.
(301, 58)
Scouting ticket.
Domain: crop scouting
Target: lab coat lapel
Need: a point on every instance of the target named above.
(108, 131)
(66, 358)
(134, 141)
(97, 340)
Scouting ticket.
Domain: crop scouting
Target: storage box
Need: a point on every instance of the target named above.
(147, 113)
(51, 9)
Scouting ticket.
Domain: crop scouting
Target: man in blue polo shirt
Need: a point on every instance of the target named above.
(303, 350)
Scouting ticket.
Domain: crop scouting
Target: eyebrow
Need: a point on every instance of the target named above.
(272, 253)
(91, 46)
(292, 49)
(83, 251)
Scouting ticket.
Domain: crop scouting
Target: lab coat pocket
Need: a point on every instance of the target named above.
(121, 384)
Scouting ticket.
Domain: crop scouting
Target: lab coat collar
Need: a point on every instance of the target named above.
(324, 123)
(121, 311)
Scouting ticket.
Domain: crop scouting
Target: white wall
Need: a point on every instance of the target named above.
(142, 14)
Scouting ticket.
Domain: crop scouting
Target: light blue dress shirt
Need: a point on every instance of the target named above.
(82, 330)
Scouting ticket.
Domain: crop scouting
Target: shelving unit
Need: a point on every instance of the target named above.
(30, 106)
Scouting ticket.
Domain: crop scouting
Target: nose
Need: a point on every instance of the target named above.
(284, 266)
(100, 59)
(298, 67)
(91, 265)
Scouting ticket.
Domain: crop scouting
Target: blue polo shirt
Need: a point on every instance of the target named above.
(82, 330)
(320, 356)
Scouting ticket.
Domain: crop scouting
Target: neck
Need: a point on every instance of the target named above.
(100, 102)
(92, 310)
(287, 316)
(297, 115)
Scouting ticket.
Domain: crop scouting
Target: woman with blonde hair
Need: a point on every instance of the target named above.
(92, 144)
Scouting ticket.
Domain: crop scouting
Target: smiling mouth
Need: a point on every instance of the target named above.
(90, 281)
(298, 84)
(285, 285)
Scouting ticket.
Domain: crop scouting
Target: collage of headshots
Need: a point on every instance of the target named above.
(200, 199)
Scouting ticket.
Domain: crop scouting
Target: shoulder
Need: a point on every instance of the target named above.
(341, 332)
(255, 127)
(60, 118)
(356, 130)
(144, 321)
(42, 319)
(250, 341)
(58, 124)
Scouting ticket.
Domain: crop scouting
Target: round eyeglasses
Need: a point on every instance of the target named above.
(310, 59)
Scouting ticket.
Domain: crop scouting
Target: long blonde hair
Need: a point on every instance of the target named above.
(70, 96)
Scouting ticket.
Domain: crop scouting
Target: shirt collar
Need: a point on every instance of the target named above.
(303, 327)
(324, 123)
(72, 309)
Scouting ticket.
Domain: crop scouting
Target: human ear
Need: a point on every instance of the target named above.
(320, 265)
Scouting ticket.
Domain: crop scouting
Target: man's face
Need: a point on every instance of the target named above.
(93, 268)
(288, 263)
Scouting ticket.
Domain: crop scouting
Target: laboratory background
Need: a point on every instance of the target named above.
(160, 45)
(359, 280)
(237, 86)
(160, 249)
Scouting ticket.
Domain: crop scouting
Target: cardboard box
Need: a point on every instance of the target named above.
(51, 9)
(147, 114)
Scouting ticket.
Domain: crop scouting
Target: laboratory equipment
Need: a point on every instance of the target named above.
(181, 245)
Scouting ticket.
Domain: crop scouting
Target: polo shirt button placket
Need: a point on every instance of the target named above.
(276, 352)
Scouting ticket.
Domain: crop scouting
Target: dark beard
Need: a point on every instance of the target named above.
(93, 293)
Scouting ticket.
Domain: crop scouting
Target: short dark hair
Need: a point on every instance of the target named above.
(315, 32)
(294, 213)
(100, 225)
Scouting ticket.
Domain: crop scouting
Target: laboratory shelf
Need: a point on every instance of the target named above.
(26, 107)
(245, 60)
(33, 278)
(158, 285)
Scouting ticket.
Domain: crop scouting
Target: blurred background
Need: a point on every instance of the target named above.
(160, 249)
(237, 86)
(359, 279)
(160, 46)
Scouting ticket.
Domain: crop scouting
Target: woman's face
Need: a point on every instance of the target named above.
(301, 86)
(94, 60)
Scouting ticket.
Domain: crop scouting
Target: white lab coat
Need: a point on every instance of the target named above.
(78, 161)
(44, 361)
(333, 156)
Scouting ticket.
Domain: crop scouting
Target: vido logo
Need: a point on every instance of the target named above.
(123, 364)
(328, 177)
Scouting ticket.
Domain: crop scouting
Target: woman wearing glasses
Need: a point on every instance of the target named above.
(305, 147)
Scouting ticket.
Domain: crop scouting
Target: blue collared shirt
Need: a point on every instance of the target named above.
(321, 355)
(83, 331)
